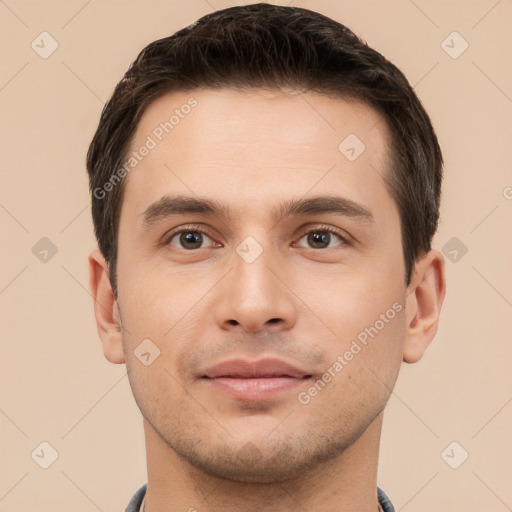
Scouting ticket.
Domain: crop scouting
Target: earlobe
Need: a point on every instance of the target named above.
(425, 296)
(106, 308)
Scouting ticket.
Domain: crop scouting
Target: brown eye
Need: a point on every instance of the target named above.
(188, 239)
(322, 239)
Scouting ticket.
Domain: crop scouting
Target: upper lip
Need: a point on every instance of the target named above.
(246, 369)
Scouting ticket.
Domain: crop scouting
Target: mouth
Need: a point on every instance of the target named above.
(254, 380)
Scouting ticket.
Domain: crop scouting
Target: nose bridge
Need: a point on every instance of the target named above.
(253, 297)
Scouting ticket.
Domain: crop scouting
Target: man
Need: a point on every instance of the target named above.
(265, 191)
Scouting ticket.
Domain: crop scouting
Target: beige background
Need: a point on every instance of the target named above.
(55, 384)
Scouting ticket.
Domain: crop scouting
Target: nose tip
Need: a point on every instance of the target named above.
(253, 297)
(256, 326)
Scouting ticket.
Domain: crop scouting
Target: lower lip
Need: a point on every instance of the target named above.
(257, 388)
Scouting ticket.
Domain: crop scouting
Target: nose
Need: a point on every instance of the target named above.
(254, 297)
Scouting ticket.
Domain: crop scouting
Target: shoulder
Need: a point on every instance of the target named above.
(136, 501)
(384, 501)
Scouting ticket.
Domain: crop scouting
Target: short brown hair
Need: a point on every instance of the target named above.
(269, 46)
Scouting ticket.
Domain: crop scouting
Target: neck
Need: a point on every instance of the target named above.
(345, 482)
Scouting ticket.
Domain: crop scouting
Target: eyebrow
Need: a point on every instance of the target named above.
(169, 206)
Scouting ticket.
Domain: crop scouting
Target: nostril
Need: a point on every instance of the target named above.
(274, 320)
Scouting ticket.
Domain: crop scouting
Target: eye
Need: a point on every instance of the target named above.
(323, 238)
(189, 239)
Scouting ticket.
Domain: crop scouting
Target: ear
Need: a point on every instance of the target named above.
(106, 309)
(425, 295)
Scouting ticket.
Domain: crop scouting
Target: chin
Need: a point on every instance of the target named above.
(249, 463)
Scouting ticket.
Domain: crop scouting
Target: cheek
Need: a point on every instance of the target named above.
(367, 355)
(349, 302)
(366, 320)
(151, 297)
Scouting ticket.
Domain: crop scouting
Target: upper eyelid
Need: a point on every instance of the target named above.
(346, 237)
(341, 233)
(168, 236)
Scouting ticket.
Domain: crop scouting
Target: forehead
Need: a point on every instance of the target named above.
(277, 116)
(250, 143)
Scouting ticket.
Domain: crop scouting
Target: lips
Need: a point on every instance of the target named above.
(264, 368)
(254, 380)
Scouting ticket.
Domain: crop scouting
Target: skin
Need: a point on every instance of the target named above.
(252, 151)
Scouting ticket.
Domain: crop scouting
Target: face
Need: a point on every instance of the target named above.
(264, 262)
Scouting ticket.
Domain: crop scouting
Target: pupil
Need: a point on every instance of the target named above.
(316, 239)
(191, 240)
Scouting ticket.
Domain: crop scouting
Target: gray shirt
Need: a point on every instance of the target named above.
(137, 501)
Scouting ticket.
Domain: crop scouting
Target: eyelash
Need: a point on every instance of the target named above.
(344, 237)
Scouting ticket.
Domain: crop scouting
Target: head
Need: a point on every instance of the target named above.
(305, 177)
